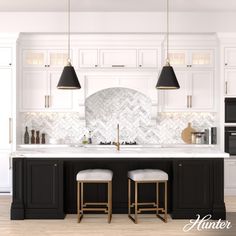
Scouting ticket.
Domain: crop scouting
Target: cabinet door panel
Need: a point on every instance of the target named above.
(6, 56)
(118, 58)
(193, 184)
(88, 58)
(57, 58)
(230, 79)
(6, 105)
(59, 98)
(202, 87)
(178, 58)
(5, 178)
(34, 89)
(6, 90)
(202, 58)
(177, 99)
(148, 58)
(230, 57)
(34, 58)
(42, 184)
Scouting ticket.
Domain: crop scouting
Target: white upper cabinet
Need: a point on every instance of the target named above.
(44, 58)
(88, 58)
(230, 57)
(178, 99)
(58, 98)
(178, 58)
(230, 82)
(34, 90)
(196, 92)
(230, 71)
(39, 92)
(6, 131)
(147, 58)
(118, 58)
(6, 56)
(191, 58)
(201, 90)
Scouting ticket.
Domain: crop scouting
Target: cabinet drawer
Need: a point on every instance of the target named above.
(118, 58)
(88, 58)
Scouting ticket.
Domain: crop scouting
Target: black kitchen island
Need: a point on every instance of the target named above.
(45, 188)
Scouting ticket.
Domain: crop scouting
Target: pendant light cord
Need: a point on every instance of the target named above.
(167, 31)
(69, 60)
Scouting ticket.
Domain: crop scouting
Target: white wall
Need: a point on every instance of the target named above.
(117, 22)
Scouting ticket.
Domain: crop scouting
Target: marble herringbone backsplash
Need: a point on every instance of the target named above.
(129, 108)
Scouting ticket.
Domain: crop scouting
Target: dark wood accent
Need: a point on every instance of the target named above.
(198, 188)
(43, 190)
(17, 206)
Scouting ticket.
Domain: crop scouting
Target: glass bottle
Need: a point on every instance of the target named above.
(37, 137)
(26, 136)
(43, 140)
(32, 137)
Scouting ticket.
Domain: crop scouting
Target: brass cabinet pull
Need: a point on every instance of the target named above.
(118, 65)
(10, 130)
(180, 164)
(187, 101)
(48, 101)
(45, 101)
(10, 163)
(226, 87)
(191, 101)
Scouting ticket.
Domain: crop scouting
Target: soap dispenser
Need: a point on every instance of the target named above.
(90, 138)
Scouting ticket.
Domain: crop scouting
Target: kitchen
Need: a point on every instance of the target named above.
(120, 119)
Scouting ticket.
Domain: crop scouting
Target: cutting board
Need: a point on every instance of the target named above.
(187, 134)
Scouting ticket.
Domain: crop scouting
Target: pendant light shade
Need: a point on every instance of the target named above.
(68, 79)
(167, 78)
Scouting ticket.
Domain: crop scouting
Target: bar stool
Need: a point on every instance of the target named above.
(147, 176)
(94, 176)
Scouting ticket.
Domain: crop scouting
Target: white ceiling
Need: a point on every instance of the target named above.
(119, 5)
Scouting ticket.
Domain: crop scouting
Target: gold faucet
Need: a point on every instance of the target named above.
(117, 144)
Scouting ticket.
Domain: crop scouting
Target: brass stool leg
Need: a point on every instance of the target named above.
(129, 197)
(109, 193)
(82, 198)
(136, 202)
(165, 217)
(157, 197)
(78, 201)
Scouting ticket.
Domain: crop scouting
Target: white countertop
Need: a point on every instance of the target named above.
(139, 151)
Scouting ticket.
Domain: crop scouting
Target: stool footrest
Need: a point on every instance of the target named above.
(95, 203)
(95, 209)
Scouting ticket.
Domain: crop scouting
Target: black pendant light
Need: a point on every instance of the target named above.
(68, 79)
(167, 79)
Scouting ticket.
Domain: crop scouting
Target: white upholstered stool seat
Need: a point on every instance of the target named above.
(148, 175)
(94, 175)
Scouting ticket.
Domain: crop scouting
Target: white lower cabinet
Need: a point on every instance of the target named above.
(230, 177)
(196, 92)
(39, 91)
(5, 172)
